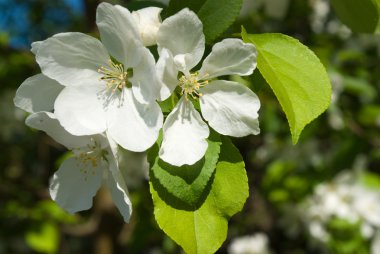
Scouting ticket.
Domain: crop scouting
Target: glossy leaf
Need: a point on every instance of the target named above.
(296, 76)
(188, 182)
(203, 230)
(360, 16)
(216, 15)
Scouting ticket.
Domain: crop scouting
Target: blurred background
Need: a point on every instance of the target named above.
(319, 196)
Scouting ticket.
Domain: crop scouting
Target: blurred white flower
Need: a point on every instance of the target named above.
(347, 198)
(367, 230)
(249, 7)
(375, 246)
(367, 204)
(317, 230)
(276, 8)
(255, 244)
(322, 23)
(321, 9)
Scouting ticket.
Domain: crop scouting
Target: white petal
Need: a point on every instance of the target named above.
(73, 186)
(35, 46)
(145, 83)
(185, 135)
(230, 108)
(80, 110)
(37, 93)
(132, 125)
(72, 58)
(230, 56)
(119, 34)
(148, 21)
(47, 122)
(182, 34)
(113, 146)
(167, 74)
(118, 189)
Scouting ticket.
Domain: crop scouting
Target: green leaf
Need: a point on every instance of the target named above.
(296, 76)
(203, 230)
(370, 180)
(44, 238)
(187, 183)
(168, 105)
(177, 5)
(369, 115)
(361, 16)
(216, 15)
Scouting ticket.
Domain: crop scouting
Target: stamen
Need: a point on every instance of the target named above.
(89, 157)
(115, 76)
(190, 85)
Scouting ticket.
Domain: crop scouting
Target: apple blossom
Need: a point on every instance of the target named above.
(93, 164)
(229, 107)
(149, 21)
(108, 86)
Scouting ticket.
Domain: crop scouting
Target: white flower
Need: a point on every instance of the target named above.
(229, 107)
(318, 231)
(375, 246)
(255, 244)
(367, 204)
(347, 198)
(109, 86)
(79, 177)
(148, 21)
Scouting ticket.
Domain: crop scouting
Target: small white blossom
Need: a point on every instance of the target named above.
(344, 198)
(229, 107)
(255, 244)
(321, 22)
(148, 21)
(108, 86)
(79, 177)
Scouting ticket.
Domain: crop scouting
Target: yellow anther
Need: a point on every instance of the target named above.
(89, 157)
(190, 85)
(115, 76)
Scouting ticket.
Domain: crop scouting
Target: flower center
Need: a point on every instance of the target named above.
(115, 76)
(89, 157)
(190, 85)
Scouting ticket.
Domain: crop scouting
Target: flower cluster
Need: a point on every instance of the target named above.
(345, 198)
(254, 244)
(95, 96)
